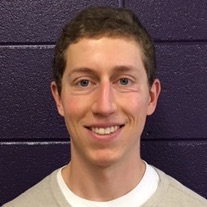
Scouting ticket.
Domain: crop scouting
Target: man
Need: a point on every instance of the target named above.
(104, 86)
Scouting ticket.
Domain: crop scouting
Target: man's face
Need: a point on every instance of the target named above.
(105, 99)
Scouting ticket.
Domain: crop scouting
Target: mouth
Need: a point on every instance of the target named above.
(105, 130)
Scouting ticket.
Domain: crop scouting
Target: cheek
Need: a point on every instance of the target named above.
(74, 107)
(135, 104)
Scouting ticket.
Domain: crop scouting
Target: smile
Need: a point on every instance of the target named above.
(104, 131)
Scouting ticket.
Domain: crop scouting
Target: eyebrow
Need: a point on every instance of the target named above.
(82, 70)
(115, 69)
(123, 68)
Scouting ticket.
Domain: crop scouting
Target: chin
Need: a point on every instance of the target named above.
(105, 159)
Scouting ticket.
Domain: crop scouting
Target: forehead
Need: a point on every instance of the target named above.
(97, 50)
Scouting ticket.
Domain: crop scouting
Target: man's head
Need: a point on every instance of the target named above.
(105, 87)
(104, 22)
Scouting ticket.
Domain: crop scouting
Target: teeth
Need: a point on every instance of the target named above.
(103, 131)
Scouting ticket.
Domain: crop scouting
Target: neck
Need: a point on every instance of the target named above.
(103, 183)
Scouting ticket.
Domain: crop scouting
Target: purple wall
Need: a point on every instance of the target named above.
(33, 139)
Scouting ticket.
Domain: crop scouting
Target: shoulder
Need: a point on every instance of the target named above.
(38, 195)
(171, 192)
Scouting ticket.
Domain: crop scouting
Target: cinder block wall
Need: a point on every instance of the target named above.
(33, 139)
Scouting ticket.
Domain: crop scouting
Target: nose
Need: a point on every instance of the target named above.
(104, 102)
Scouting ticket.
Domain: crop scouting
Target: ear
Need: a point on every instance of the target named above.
(57, 98)
(154, 94)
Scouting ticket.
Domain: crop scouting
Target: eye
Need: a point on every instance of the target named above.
(124, 81)
(83, 83)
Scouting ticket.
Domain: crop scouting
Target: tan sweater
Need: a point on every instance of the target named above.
(170, 193)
